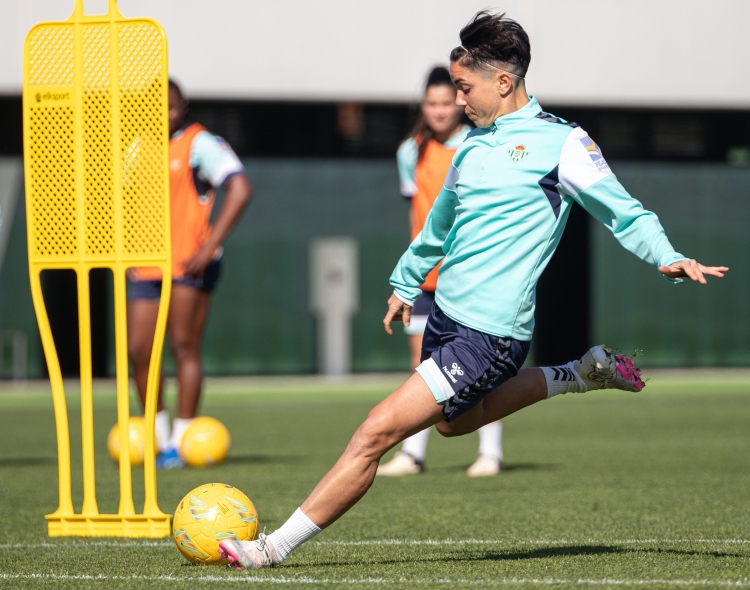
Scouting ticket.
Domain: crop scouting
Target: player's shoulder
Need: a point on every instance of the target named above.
(408, 151)
(556, 126)
(407, 146)
(208, 146)
(554, 120)
(207, 138)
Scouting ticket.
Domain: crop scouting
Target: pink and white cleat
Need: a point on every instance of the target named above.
(600, 369)
(246, 555)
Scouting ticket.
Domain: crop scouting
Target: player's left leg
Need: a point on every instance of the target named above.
(188, 311)
(410, 460)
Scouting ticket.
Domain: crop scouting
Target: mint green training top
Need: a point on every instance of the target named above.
(502, 211)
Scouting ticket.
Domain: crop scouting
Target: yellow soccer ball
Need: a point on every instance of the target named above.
(137, 441)
(206, 441)
(208, 515)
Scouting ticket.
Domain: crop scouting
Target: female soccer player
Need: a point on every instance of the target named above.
(423, 161)
(199, 163)
(494, 225)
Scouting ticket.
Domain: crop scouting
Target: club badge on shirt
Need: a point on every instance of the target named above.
(518, 152)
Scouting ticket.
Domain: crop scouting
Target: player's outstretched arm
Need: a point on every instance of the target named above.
(693, 270)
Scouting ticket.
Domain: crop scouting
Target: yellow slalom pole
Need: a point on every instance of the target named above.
(87, 395)
(65, 506)
(150, 505)
(123, 394)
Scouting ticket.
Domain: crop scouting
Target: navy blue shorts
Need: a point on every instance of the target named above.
(461, 365)
(152, 289)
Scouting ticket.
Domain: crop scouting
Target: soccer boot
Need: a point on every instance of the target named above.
(248, 555)
(484, 466)
(169, 460)
(401, 464)
(600, 369)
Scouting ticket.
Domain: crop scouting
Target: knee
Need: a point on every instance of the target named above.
(460, 426)
(183, 349)
(447, 429)
(373, 438)
(139, 353)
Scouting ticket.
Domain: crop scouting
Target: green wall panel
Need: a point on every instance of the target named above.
(260, 322)
(16, 309)
(704, 209)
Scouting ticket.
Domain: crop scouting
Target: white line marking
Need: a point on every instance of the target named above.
(744, 583)
(511, 542)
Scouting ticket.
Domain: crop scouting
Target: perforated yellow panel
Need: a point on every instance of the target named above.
(142, 207)
(97, 196)
(97, 128)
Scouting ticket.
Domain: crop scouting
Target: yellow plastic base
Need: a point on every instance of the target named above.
(109, 525)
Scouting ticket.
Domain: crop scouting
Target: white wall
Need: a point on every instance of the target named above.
(614, 52)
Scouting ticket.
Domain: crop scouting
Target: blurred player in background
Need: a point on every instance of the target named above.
(423, 162)
(495, 225)
(199, 163)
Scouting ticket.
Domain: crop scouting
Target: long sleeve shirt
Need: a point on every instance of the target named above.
(500, 215)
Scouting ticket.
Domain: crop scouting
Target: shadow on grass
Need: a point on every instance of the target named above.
(576, 550)
(508, 467)
(540, 553)
(27, 461)
(530, 466)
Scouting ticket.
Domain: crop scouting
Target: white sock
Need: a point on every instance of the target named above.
(416, 445)
(179, 426)
(161, 429)
(563, 379)
(295, 531)
(490, 440)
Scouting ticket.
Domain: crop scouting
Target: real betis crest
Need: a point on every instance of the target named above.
(518, 152)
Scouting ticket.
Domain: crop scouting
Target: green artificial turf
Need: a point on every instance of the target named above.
(599, 490)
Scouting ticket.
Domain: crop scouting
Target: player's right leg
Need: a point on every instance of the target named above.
(143, 308)
(599, 368)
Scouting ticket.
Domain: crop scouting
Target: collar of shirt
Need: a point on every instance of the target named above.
(456, 140)
(522, 115)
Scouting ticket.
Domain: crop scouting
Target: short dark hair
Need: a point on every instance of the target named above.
(176, 87)
(494, 40)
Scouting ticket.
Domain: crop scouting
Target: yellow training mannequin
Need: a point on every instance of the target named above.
(96, 141)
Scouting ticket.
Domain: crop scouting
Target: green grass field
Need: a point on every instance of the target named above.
(599, 490)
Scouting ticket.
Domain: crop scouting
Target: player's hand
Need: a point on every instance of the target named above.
(693, 270)
(196, 266)
(397, 311)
